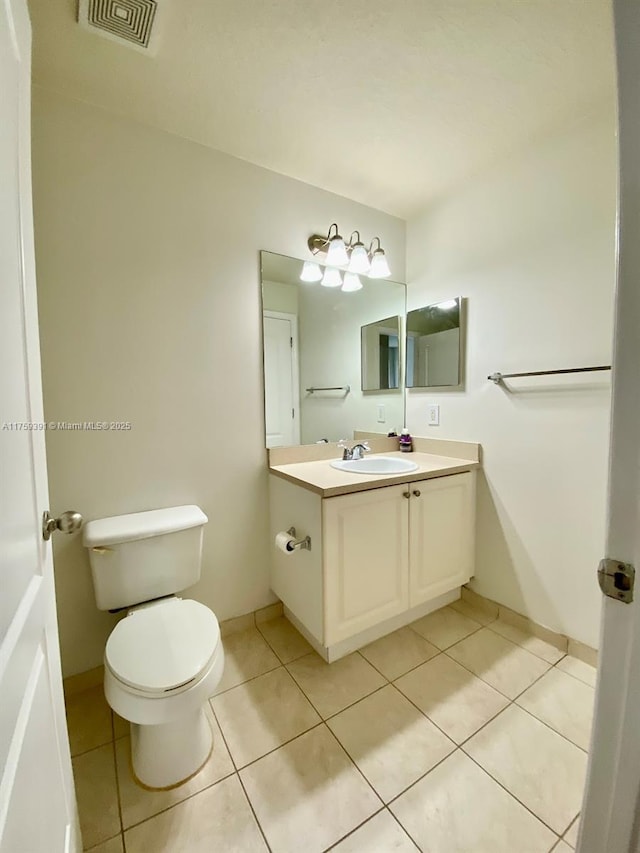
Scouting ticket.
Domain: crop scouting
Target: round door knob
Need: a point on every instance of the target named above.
(68, 522)
(416, 492)
(406, 494)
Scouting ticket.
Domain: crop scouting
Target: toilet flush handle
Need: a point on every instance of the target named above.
(101, 549)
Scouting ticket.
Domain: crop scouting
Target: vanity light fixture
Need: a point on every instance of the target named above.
(359, 259)
(352, 255)
(331, 277)
(379, 265)
(336, 249)
(351, 282)
(311, 271)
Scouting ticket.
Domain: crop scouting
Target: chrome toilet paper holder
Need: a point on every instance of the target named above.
(300, 543)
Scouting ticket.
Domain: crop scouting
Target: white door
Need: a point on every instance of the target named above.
(37, 803)
(366, 563)
(281, 379)
(441, 535)
(611, 814)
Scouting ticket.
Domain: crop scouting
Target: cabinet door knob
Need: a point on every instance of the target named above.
(416, 492)
(406, 494)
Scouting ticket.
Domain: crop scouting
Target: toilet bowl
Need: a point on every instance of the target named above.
(162, 662)
(165, 658)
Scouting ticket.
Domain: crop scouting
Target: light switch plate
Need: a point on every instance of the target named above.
(433, 414)
(381, 415)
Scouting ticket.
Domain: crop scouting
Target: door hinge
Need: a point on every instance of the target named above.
(617, 579)
(293, 413)
(291, 342)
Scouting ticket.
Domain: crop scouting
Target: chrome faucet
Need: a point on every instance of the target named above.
(355, 452)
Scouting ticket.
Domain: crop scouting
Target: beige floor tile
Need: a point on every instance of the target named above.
(284, 639)
(239, 623)
(330, 687)
(137, 804)
(121, 728)
(94, 773)
(88, 720)
(308, 794)
(113, 845)
(392, 743)
(532, 644)
(499, 662)
(571, 835)
(478, 614)
(562, 847)
(445, 627)
(539, 767)
(457, 808)
(456, 701)
(262, 714)
(562, 702)
(246, 655)
(218, 818)
(399, 652)
(578, 669)
(266, 614)
(380, 834)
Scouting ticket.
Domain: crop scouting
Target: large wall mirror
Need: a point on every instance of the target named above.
(314, 347)
(434, 345)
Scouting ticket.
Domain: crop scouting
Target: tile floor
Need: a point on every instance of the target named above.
(457, 734)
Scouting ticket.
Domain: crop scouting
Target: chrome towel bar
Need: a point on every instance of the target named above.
(498, 377)
(345, 388)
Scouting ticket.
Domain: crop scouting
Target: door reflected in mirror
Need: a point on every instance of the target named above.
(313, 372)
(434, 345)
(381, 355)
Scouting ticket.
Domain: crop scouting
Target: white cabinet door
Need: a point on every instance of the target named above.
(366, 560)
(441, 535)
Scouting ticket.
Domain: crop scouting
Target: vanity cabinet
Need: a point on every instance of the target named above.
(379, 558)
(366, 560)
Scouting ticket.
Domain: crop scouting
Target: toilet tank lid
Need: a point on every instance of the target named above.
(141, 525)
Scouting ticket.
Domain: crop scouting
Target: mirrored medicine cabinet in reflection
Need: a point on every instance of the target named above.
(434, 345)
(333, 360)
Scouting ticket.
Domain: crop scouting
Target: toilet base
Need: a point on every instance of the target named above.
(168, 754)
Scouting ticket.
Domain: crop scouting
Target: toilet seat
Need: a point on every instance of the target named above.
(163, 647)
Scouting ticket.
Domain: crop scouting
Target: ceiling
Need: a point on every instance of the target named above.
(389, 102)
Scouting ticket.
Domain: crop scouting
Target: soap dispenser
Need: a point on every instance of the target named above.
(406, 442)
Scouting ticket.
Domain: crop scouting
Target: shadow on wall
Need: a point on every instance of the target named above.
(499, 549)
(73, 574)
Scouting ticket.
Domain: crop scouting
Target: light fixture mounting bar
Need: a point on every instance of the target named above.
(317, 243)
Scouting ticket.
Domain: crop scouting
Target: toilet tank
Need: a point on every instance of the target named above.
(144, 555)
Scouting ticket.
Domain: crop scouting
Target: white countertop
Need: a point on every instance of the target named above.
(328, 482)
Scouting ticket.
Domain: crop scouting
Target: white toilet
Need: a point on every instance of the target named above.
(165, 658)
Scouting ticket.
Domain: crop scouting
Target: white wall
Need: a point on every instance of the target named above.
(280, 296)
(531, 247)
(148, 276)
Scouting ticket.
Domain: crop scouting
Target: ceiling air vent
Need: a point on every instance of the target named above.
(132, 23)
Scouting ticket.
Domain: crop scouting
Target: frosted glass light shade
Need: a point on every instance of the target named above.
(331, 278)
(379, 265)
(359, 260)
(310, 271)
(351, 282)
(337, 252)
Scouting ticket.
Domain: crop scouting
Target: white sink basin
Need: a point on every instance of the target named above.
(375, 465)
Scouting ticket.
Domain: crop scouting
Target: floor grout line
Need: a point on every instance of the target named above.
(324, 720)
